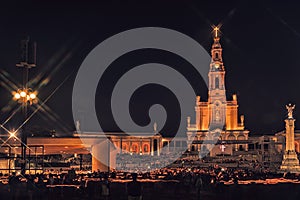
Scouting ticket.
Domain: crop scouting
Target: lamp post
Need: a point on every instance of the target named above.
(25, 95)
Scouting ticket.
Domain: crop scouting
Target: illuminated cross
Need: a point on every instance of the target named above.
(223, 147)
(216, 30)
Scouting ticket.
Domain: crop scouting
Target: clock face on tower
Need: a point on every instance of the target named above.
(217, 66)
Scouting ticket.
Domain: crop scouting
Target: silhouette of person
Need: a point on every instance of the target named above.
(199, 185)
(105, 188)
(14, 183)
(134, 188)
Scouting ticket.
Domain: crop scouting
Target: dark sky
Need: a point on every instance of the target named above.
(260, 40)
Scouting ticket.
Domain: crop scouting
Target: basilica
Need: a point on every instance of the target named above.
(218, 118)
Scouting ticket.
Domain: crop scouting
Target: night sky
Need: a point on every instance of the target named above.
(260, 40)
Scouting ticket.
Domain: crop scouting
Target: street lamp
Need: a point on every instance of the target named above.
(26, 96)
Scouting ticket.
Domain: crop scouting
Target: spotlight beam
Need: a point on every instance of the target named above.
(46, 80)
(45, 101)
(8, 80)
(53, 116)
(283, 22)
(47, 116)
(14, 112)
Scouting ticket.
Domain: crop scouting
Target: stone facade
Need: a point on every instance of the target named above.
(217, 119)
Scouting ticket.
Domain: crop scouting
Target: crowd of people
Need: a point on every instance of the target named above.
(90, 185)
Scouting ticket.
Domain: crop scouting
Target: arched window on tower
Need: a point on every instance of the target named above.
(217, 82)
(217, 55)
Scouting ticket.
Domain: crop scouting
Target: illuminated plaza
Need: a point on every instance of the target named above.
(169, 101)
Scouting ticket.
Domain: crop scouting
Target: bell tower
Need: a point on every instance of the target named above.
(216, 119)
(216, 75)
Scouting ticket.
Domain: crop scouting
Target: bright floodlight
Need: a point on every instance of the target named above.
(11, 134)
(32, 96)
(23, 94)
(17, 96)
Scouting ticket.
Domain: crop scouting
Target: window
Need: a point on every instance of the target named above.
(146, 148)
(217, 82)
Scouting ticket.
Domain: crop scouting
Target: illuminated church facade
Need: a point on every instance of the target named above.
(217, 117)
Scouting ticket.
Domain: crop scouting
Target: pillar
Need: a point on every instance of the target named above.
(290, 138)
(197, 109)
(103, 156)
(152, 146)
(290, 160)
(236, 146)
(158, 146)
(246, 146)
(130, 146)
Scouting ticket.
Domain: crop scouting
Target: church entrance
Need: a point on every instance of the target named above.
(241, 148)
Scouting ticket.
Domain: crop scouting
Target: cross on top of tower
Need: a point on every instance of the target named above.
(216, 31)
